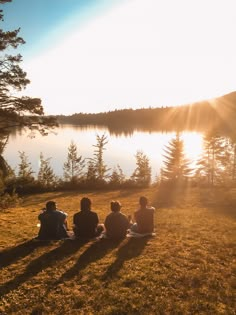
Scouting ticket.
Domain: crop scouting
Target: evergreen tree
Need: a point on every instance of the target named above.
(142, 174)
(25, 172)
(227, 162)
(175, 166)
(4, 167)
(117, 177)
(233, 145)
(75, 164)
(17, 110)
(101, 168)
(210, 164)
(91, 176)
(46, 176)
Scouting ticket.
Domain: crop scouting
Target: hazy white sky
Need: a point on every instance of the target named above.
(134, 53)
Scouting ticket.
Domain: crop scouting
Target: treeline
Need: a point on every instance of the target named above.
(78, 173)
(218, 114)
(216, 167)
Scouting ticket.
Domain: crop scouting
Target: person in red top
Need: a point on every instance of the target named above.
(143, 218)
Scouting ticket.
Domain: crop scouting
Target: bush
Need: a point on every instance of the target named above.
(9, 200)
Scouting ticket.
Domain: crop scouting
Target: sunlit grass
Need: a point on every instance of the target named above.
(188, 268)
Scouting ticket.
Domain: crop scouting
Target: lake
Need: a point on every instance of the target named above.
(120, 149)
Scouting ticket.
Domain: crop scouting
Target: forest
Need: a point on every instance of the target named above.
(216, 114)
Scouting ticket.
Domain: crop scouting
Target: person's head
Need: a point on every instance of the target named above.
(115, 206)
(143, 201)
(85, 204)
(51, 205)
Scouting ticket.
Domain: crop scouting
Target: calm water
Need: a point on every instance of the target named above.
(120, 149)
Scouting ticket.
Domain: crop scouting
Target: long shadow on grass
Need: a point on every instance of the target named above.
(96, 251)
(133, 247)
(11, 255)
(46, 260)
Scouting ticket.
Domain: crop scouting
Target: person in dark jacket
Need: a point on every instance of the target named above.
(116, 223)
(53, 223)
(86, 221)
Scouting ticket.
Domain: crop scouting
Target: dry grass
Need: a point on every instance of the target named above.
(188, 268)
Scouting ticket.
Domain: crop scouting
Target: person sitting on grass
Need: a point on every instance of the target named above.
(143, 218)
(86, 221)
(116, 223)
(53, 223)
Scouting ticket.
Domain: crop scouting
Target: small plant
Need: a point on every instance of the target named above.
(9, 200)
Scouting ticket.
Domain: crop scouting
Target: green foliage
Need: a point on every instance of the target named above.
(142, 174)
(9, 200)
(200, 116)
(176, 167)
(15, 110)
(99, 166)
(215, 153)
(217, 165)
(46, 177)
(91, 172)
(117, 177)
(74, 166)
(25, 170)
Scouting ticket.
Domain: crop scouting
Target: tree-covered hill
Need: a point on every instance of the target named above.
(218, 113)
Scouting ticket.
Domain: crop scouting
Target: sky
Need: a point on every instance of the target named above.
(100, 55)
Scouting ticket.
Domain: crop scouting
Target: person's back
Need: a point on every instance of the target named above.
(85, 221)
(144, 217)
(116, 223)
(52, 223)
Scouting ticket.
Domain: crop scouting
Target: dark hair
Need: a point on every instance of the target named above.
(50, 205)
(143, 201)
(85, 204)
(115, 206)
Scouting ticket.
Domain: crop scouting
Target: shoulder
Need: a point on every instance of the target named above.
(123, 215)
(61, 213)
(151, 209)
(41, 215)
(109, 217)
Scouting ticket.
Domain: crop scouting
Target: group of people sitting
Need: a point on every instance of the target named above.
(53, 222)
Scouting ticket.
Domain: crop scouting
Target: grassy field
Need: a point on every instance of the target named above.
(187, 268)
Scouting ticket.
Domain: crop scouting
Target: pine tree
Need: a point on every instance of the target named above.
(25, 172)
(91, 176)
(101, 168)
(176, 167)
(46, 176)
(209, 165)
(17, 110)
(4, 167)
(142, 174)
(117, 177)
(75, 164)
